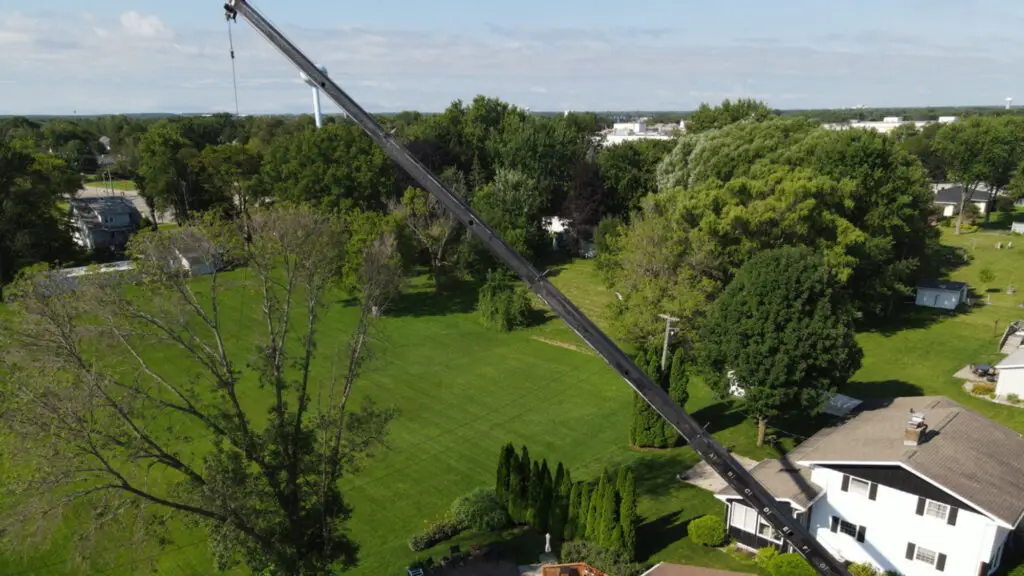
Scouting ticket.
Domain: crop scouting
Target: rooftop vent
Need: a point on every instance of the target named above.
(915, 429)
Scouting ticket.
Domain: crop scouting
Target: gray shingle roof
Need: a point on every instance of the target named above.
(951, 195)
(784, 481)
(972, 457)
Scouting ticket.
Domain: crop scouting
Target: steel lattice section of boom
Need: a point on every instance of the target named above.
(703, 443)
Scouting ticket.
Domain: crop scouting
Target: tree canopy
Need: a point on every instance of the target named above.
(783, 333)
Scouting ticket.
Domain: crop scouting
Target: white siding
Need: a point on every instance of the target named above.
(1011, 381)
(891, 522)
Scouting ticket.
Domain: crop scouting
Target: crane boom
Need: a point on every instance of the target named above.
(702, 442)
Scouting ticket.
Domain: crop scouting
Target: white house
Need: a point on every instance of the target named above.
(1017, 227)
(918, 486)
(948, 199)
(1011, 374)
(941, 294)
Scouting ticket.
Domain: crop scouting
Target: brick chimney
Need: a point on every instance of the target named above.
(913, 434)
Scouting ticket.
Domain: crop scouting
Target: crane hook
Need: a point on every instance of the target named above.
(230, 13)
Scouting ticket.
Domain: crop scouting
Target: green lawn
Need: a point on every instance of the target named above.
(124, 185)
(463, 390)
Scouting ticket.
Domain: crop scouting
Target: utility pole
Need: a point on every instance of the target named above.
(668, 331)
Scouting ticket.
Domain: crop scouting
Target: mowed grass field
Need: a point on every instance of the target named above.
(464, 390)
(124, 185)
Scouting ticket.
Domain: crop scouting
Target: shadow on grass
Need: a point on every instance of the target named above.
(655, 474)
(458, 298)
(909, 316)
(876, 393)
(719, 416)
(654, 536)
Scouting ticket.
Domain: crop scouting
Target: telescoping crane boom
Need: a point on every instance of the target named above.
(703, 443)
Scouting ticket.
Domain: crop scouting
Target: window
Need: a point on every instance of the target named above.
(744, 518)
(859, 487)
(936, 510)
(925, 555)
(838, 525)
(848, 528)
(765, 530)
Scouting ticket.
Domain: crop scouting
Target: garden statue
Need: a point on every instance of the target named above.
(547, 543)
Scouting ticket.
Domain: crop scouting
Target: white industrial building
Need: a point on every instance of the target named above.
(888, 124)
(631, 131)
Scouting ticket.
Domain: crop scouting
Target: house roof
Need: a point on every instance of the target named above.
(666, 569)
(942, 285)
(93, 210)
(1015, 360)
(784, 481)
(964, 453)
(951, 195)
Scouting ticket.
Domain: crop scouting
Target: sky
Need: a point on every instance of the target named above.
(122, 56)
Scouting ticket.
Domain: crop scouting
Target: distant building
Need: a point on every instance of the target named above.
(941, 294)
(947, 197)
(103, 222)
(631, 131)
(888, 124)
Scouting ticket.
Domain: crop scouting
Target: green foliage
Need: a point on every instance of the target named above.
(731, 193)
(593, 531)
(507, 462)
(502, 304)
(982, 388)
(707, 531)
(783, 332)
(629, 174)
(1017, 570)
(987, 276)
(707, 118)
(480, 510)
(648, 429)
(607, 560)
(583, 519)
(435, 533)
(519, 487)
(335, 167)
(628, 516)
(173, 171)
(31, 229)
(513, 206)
(1013, 398)
(862, 569)
(765, 555)
(678, 380)
(609, 517)
(573, 517)
(790, 564)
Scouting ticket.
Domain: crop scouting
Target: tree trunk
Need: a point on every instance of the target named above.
(762, 426)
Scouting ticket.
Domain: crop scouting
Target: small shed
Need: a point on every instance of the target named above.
(941, 294)
(1011, 375)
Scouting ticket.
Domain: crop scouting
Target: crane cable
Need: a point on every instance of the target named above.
(234, 74)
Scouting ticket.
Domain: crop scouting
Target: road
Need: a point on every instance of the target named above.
(131, 195)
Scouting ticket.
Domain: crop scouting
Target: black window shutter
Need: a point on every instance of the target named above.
(846, 482)
(910, 550)
(940, 564)
(860, 533)
(920, 506)
(835, 524)
(873, 491)
(951, 519)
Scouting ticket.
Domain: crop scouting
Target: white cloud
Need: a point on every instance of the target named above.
(136, 63)
(136, 24)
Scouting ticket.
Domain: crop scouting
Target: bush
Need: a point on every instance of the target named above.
(708, 531)
(604, 559)
(480, 510)
(503, 305)
(764, 556)
(862, 569)
(1018, 570)
(982, 388)
(1013, 398)
(437, 532)
(790, 565)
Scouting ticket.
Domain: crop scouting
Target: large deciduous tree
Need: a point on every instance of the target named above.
(31, 228)
(783, 332)
(707, 118)
(110, 387)
(628, 171)
(337, 166)
(169, 165)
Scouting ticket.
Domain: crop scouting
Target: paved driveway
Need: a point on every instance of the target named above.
(704, 476)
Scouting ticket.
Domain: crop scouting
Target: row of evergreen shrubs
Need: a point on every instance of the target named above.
(648, 429)
(436, 532)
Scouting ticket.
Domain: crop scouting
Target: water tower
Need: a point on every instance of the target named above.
(1009, 102)
(316, 96)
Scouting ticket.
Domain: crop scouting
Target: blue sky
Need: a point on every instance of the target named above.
(104, 56)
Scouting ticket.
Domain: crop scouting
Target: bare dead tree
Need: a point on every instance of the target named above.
(140, 392)
(432, 225)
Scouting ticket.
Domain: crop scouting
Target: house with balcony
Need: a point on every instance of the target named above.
(918, 486)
